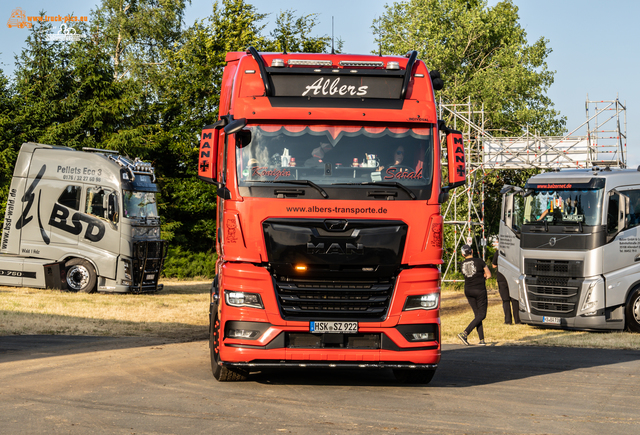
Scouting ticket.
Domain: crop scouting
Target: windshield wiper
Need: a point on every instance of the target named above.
(303, 182)
(385, 183)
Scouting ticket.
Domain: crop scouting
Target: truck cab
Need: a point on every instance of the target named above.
(570, 248)
(82, 221)
(329, 232)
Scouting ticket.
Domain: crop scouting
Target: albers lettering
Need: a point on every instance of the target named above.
(60, 214)
(327, 87)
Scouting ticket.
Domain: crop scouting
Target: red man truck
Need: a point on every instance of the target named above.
(329, 232)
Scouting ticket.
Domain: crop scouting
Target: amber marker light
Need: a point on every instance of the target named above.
(301, 268)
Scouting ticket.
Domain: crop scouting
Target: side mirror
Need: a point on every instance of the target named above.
(436, 80)
(243, 138)
(617, 213)
(112, 208)
(208, 158)
(235, 126)
(455, 161)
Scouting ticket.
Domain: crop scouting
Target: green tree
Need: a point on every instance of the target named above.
(292, 34)
(482, 52)
(8, 146)
(187, 93)
(187, 89)
(137, 33)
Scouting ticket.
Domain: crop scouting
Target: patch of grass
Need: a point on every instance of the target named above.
(456, 315)
(180, 311)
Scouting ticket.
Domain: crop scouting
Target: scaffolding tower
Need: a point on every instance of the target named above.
(603, 145)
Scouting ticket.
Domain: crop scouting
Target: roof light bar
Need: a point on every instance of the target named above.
(277, 63)
(310, 62)
(393, 65)
(358, 63)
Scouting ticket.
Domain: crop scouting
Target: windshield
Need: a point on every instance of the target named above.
(337, 154)
(139, 204)
(563, 207)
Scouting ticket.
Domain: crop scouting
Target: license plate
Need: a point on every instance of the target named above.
(552, 320)
(150, 276)
(333, 327)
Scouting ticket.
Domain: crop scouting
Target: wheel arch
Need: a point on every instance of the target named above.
(82, 257)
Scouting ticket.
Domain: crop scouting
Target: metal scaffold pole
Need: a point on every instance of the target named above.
(464, 213)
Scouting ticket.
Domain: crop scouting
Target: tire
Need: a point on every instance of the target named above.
(414, 376)
(80, 276)
(220, 372)
(632, 311)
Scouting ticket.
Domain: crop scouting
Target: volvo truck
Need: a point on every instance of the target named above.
(82, 221)
(570, 248)
(329, 231)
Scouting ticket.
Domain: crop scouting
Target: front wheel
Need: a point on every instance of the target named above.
(632, 312)
(220, 372)
(80, 276)
(414, 376)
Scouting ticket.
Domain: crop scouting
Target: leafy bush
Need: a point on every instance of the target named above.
(186, 264)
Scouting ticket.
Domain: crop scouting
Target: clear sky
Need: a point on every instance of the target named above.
(592, 41)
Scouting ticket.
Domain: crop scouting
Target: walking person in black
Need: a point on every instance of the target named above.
(475, 273)
(503, 289)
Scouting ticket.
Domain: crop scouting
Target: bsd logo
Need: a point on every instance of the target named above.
(95, 228)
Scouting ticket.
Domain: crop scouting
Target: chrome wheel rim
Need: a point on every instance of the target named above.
(77, 277)
(636, 310)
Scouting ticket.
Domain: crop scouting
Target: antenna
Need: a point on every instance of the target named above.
(332, 50)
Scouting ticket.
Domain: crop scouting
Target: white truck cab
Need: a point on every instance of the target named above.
(83, 221)
(570, 248)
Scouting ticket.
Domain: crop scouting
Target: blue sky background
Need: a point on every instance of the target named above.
(595, 43)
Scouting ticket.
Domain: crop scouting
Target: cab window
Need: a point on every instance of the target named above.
(102, 203)
(70, 197)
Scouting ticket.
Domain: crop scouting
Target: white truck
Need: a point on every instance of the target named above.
(570, 248)
(83, 221)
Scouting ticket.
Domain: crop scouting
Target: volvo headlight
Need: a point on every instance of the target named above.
(422, 302)
(145, 232)
(242, 299)
(591, 299)
(126, 269)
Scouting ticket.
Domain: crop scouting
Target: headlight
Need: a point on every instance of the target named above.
(148, 232)
(126, 269)
(242, 299)
(422, 302)
(591, 300)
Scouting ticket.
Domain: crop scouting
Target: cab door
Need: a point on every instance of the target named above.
(100, 237)
(511, 219)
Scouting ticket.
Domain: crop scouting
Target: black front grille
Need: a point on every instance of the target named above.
(148, 259)
(553, 286)
(564, 268)
(327, 300)
(553, 306)
(307, 340)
